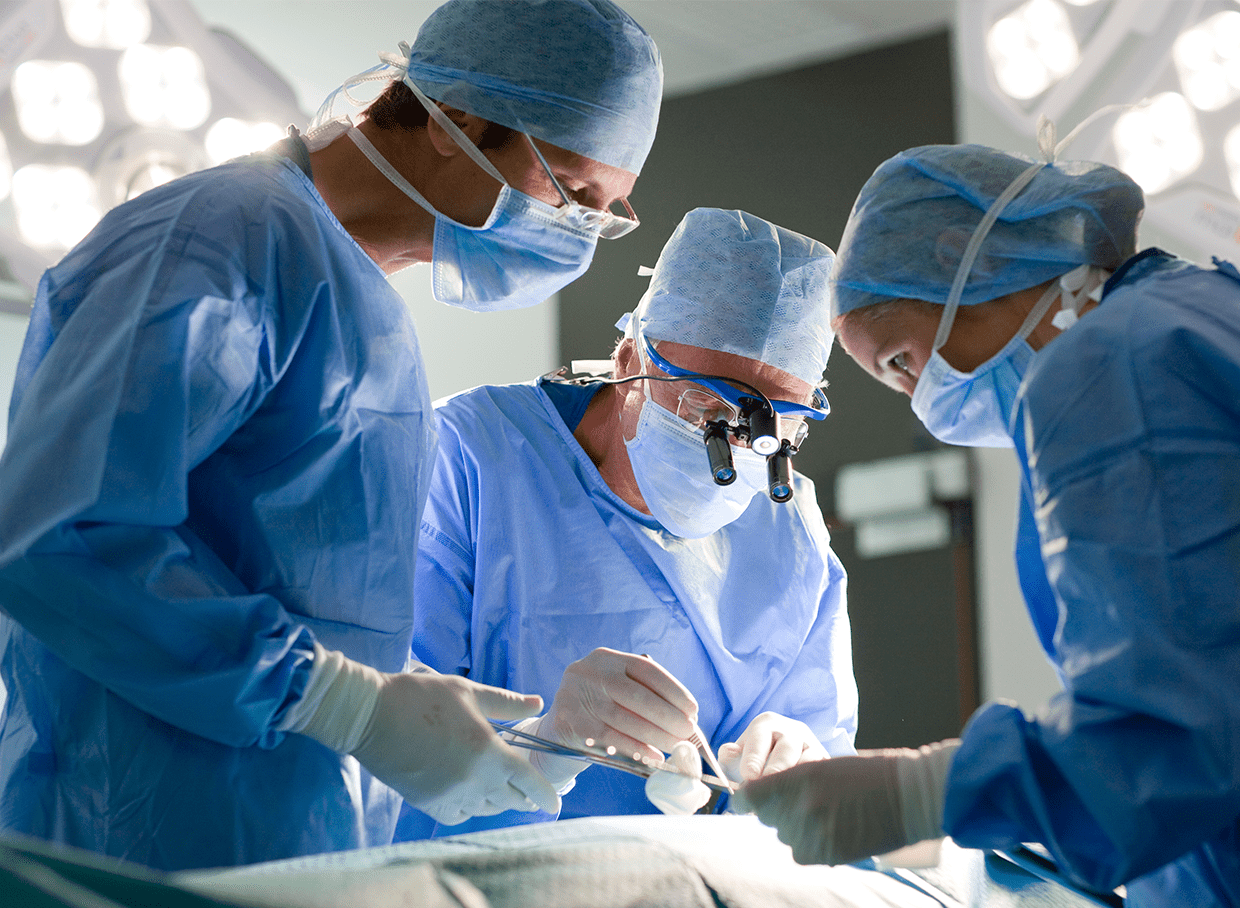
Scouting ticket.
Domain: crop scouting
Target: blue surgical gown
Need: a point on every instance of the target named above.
(527, 561)
(1129, 558)
(219, 443)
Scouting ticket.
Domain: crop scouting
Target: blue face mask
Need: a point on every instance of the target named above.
(670, 465)
(975, 408)
(522, 254)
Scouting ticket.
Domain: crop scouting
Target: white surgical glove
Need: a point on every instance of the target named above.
(848, 808)
(619, 700)
(771, 743)
(680, 792)
(426, 735)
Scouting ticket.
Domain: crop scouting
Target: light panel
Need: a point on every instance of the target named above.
(1031, 48)
(1207, 57)
(55, 206)
(57, 101)
(1159, 143)
(164, 86)
(112, 24)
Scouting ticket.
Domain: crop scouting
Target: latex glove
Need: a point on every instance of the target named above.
(618, 700)
(681, 792)
(847, 808)
(771, 743)
(425, 735)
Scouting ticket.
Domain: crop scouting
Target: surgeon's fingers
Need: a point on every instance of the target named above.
(786, 751)
(654, 677)
(626, 733)
(638, 713)
(756, 745)
(528, 790)
(505, 705)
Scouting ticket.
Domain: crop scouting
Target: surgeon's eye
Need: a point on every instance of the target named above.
(900, 364)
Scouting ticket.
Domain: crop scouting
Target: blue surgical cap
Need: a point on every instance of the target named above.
(730, 281)
(580, 74)
(914, 217)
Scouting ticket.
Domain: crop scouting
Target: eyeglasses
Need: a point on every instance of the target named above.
(606, 224)
(699, 407)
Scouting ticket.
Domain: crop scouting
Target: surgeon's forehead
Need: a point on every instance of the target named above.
(772, 381)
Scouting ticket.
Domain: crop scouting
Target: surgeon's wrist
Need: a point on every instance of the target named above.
(339, 701)
(561, 772)
(922, 778)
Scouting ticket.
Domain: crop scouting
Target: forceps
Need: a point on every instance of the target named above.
(614, 760)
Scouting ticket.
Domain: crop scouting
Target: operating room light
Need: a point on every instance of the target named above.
(1158, 143)
(164, 86)
(229, 138)
(1207, 58)
(55, 206)
(106, 23)
(57, 102)
(1032, 48)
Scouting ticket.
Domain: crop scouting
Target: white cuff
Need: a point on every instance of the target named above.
(338, 703)
(561, 772)
(922, 777)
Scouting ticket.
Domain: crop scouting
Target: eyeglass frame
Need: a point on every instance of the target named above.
(742, 404)
(606, 224)
(729, 394)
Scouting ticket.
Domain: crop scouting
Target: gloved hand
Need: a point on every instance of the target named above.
(681, 792)
(847, 808)
(771, 743)
(426, 735)
(618, 700)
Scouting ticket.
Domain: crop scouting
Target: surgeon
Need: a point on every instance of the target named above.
(1004, 297)
(576, 545)
(206, 576)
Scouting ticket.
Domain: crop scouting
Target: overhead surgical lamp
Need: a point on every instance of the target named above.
(1180, 60)
(101, 100)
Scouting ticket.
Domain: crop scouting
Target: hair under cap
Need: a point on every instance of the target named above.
(914, 217)
(730, 281)
(580, 74)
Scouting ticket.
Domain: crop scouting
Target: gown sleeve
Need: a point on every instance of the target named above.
(444, 581)
(1134, 458)
(148, 348)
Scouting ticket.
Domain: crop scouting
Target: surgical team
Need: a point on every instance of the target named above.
(259, 598)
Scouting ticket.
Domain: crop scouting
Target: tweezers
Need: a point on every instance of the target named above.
(602, 757)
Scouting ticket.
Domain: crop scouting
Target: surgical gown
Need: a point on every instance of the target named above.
(528, 561)
(219, 444)
(1129, 558)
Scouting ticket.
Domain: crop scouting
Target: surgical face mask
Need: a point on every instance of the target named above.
(975, 408)
(669, 461)
(520, 256)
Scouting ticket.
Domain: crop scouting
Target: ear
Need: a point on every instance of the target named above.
(627, 361)
(446, 145)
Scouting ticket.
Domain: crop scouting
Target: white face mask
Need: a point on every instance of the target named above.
(672, 470)
(976, 408)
